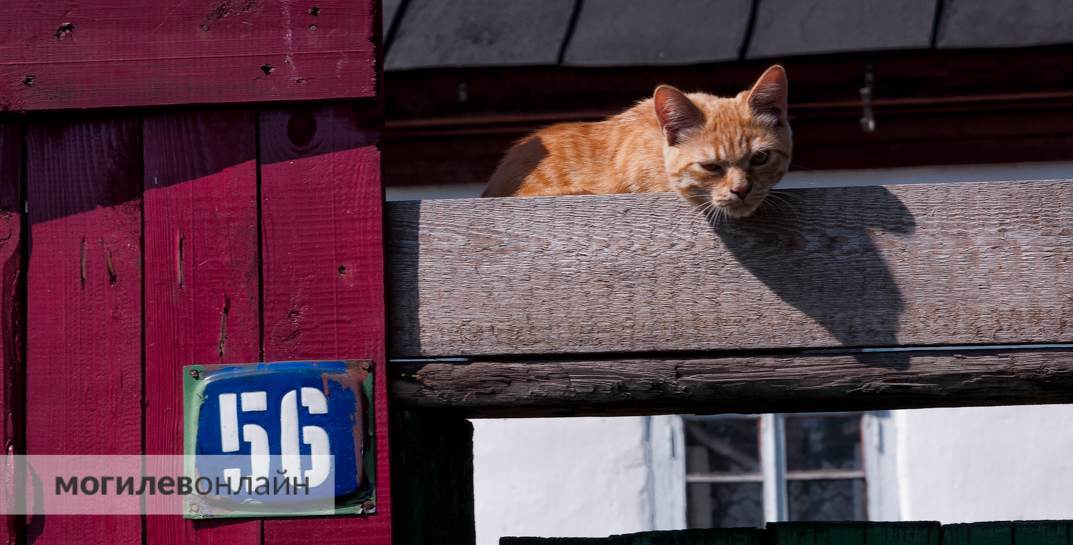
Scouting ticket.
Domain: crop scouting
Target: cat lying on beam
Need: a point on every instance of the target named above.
(722, 154)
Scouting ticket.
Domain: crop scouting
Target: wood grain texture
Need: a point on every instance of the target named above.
(840, 533)
(84, 337)
(771, 383)
(12, 318)
(969, 263)
(854, 533)
(1043, 532)
(1004, 23)
(201, 279)
(717, 536)
(323, 267)
(433, 463)
(985, 533)
(107, 53)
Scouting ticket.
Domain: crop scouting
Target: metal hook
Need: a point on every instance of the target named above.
(868, 120)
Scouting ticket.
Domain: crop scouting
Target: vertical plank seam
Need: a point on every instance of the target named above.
(259, 225)
(141, 259)
(18, 533)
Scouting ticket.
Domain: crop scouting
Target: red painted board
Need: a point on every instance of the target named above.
(322, 271)
(201, 279)
(84, 336)
(107, 53)
(11, 312)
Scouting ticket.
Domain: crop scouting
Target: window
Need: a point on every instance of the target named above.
(743, 470)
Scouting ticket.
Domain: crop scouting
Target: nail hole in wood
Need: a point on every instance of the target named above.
(64, 30)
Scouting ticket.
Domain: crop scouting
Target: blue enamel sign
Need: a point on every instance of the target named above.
(288, 438)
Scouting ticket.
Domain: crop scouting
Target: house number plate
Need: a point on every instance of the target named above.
(288, 438)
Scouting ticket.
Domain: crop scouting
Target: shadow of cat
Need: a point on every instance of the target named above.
(817, 255)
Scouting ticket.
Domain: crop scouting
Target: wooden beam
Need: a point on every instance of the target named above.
(125, 53)
(911, 265)
(737, 384)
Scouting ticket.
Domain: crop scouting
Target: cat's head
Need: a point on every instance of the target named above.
(728, 152)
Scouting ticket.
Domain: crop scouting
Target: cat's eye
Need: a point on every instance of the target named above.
(714, 168)
(759, 158)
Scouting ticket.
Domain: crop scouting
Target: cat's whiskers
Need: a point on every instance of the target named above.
(702, 211)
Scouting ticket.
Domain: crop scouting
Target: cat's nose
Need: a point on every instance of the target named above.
(741, 190)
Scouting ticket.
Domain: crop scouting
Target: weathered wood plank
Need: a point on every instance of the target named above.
(816, 533)
(718, 536)
(1042, 532)
(799, 27)
(323, 273)
(433, 460)
(442, 33)
(201, 279)
(106, 53)
(980, 533)
(854, 533)
(1004, 23)
(903, 533)
(84, 315)
(611, 33)
(12, 317)
(869, 266)
(761, 383)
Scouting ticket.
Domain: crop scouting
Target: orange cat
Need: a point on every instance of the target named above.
(721, 152)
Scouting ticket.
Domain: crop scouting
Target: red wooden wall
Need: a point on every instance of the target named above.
(140, 237)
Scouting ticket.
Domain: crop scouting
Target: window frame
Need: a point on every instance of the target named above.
(878, 465)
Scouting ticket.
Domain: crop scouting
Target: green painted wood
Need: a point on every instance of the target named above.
(1044, 532)
(1048, 532)
(816, 533)
(735, 536)
(903, 533)
(982, 533)
(553, 541)
(432, 461)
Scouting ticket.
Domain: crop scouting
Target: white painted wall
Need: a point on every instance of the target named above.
(600, 476)
(987, 463)
(565, 477)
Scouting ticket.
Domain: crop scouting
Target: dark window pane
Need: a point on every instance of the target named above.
(823, 442)
(723, 445)
(826, 500)
(725, 505)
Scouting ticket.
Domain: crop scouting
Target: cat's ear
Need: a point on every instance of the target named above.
(678, 116)
(767, 98)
